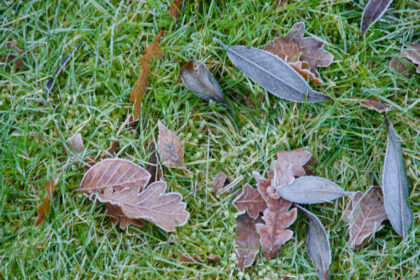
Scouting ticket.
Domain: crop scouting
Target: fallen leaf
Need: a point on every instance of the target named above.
(197, 77)
(251, 201)
(175, 9)
(413, 54)
(153, 166)
(302, 68)
(45, 205)
(365, 214)
(230, 186)
(311, 189)
(395, 185)
(373, 11)
(113, 148)
(247, 240)
(274, 75)
(318, 246)
(117, 215)
(171, 148)
(75, 144)
(375, 104)
(297, 159)
(397, 65)
(196, 259)
(219, 181)
(140, 87)
(13, 57)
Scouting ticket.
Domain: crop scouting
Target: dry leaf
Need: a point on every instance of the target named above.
(117, 215)
(197, 259)
(365, 214)
(113, 148)
(197, 77)
(45, 206)
(247, 240)
(75, 144)
(175, 9)
(219, 181)
(140, 87)
(171, 148)
(153, 166)
(12, 57)
(374, 10)
(375, 104)
(297, 159)
(413, 53)
(230, 187)
(251, 201)
(397, 65)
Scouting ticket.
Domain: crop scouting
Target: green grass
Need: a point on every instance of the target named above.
(78, 240)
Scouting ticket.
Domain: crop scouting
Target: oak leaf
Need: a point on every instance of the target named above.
(140, 87)
(117, 215)
(247, 240)
(171, 148)
(364, 214)
(251, 201)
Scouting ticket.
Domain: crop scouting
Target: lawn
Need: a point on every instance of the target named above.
(91, 96)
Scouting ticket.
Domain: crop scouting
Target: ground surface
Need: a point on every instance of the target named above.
(78, 240)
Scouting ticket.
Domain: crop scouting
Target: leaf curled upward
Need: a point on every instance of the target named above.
(364, 214)
(171, 148)
(45, 205)
(140, 87)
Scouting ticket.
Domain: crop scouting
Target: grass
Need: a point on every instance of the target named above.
(78, 240)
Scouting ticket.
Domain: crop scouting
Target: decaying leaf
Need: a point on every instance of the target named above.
(121, 183)
(251, 201)
(230, 186)
(140, 87)
(196, 259)
(45, 205)
(75, 144)
(304, 54)
(197, 77)
(117, 215)
(413, 54)
(274, 75)
(219, 181)
(153, 166)
(375, 104)
(297, 159)
(12, 45)
(311, 189)
(247, 240)
(374, 10)
(364, 214)
(398, 65)
(175, 9)
(171, 148)
(113, 148)
(395, 185)
(317, 244)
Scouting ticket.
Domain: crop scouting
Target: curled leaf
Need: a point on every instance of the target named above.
(251, 201)
(311, 189)
(274, 75)
(171, 148)
(45, 205)
(375, 104)
(395, 185)
(374, 10)
(247, 240)
(365, 214)
(317, 244)
(197, 77)
(153, 166)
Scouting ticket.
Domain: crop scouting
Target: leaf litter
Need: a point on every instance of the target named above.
(171, 148)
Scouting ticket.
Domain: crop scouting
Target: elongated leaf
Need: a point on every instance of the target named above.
(274, 75)
(395, 185)
(170, 147)
(317, 244)
(247, 240)
(374, 10)
(197, 77)
(311, 189)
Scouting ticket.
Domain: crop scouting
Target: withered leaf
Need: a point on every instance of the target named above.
(230, 186)
(219, 181)
(140, 87)
(45, 205)
(117, 215)
(364, 214)
(395, 185)
(12, 45)
(153, 166)
(374, 10)
(247, 240)
(175, 8)
(251, 201)
(273, 234)
(413, 53)
(297, 159)
(375, 104)
(398, 65)
(274, 75)
(75, 144)
(171, 148)
(311, 189)
(113, 148)
(196, 259)
(197, 77)
(318, 246)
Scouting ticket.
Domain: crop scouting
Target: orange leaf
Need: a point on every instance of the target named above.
(175, 8)
(45, 205)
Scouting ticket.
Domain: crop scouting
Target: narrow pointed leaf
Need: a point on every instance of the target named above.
(395, 185)
(317, 244)
(274, 75)
(374, 10)
(311, 189)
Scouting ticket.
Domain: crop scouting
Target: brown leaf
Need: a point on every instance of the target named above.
(373, 11)
(75, 144)
(397, 65)
(197, 259)
(171, 148)
(45, 205)
(375, 104)
(89, 162)
(365, 214)
(251, 201)
(297, 159)
(219, 181)
(413, 54)
(302, 67)
(247, 240)
(153, 166)
(230, 187)
(175, 9)
(12, 57)
(116, 215)
(113, 148)
(140, 87)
